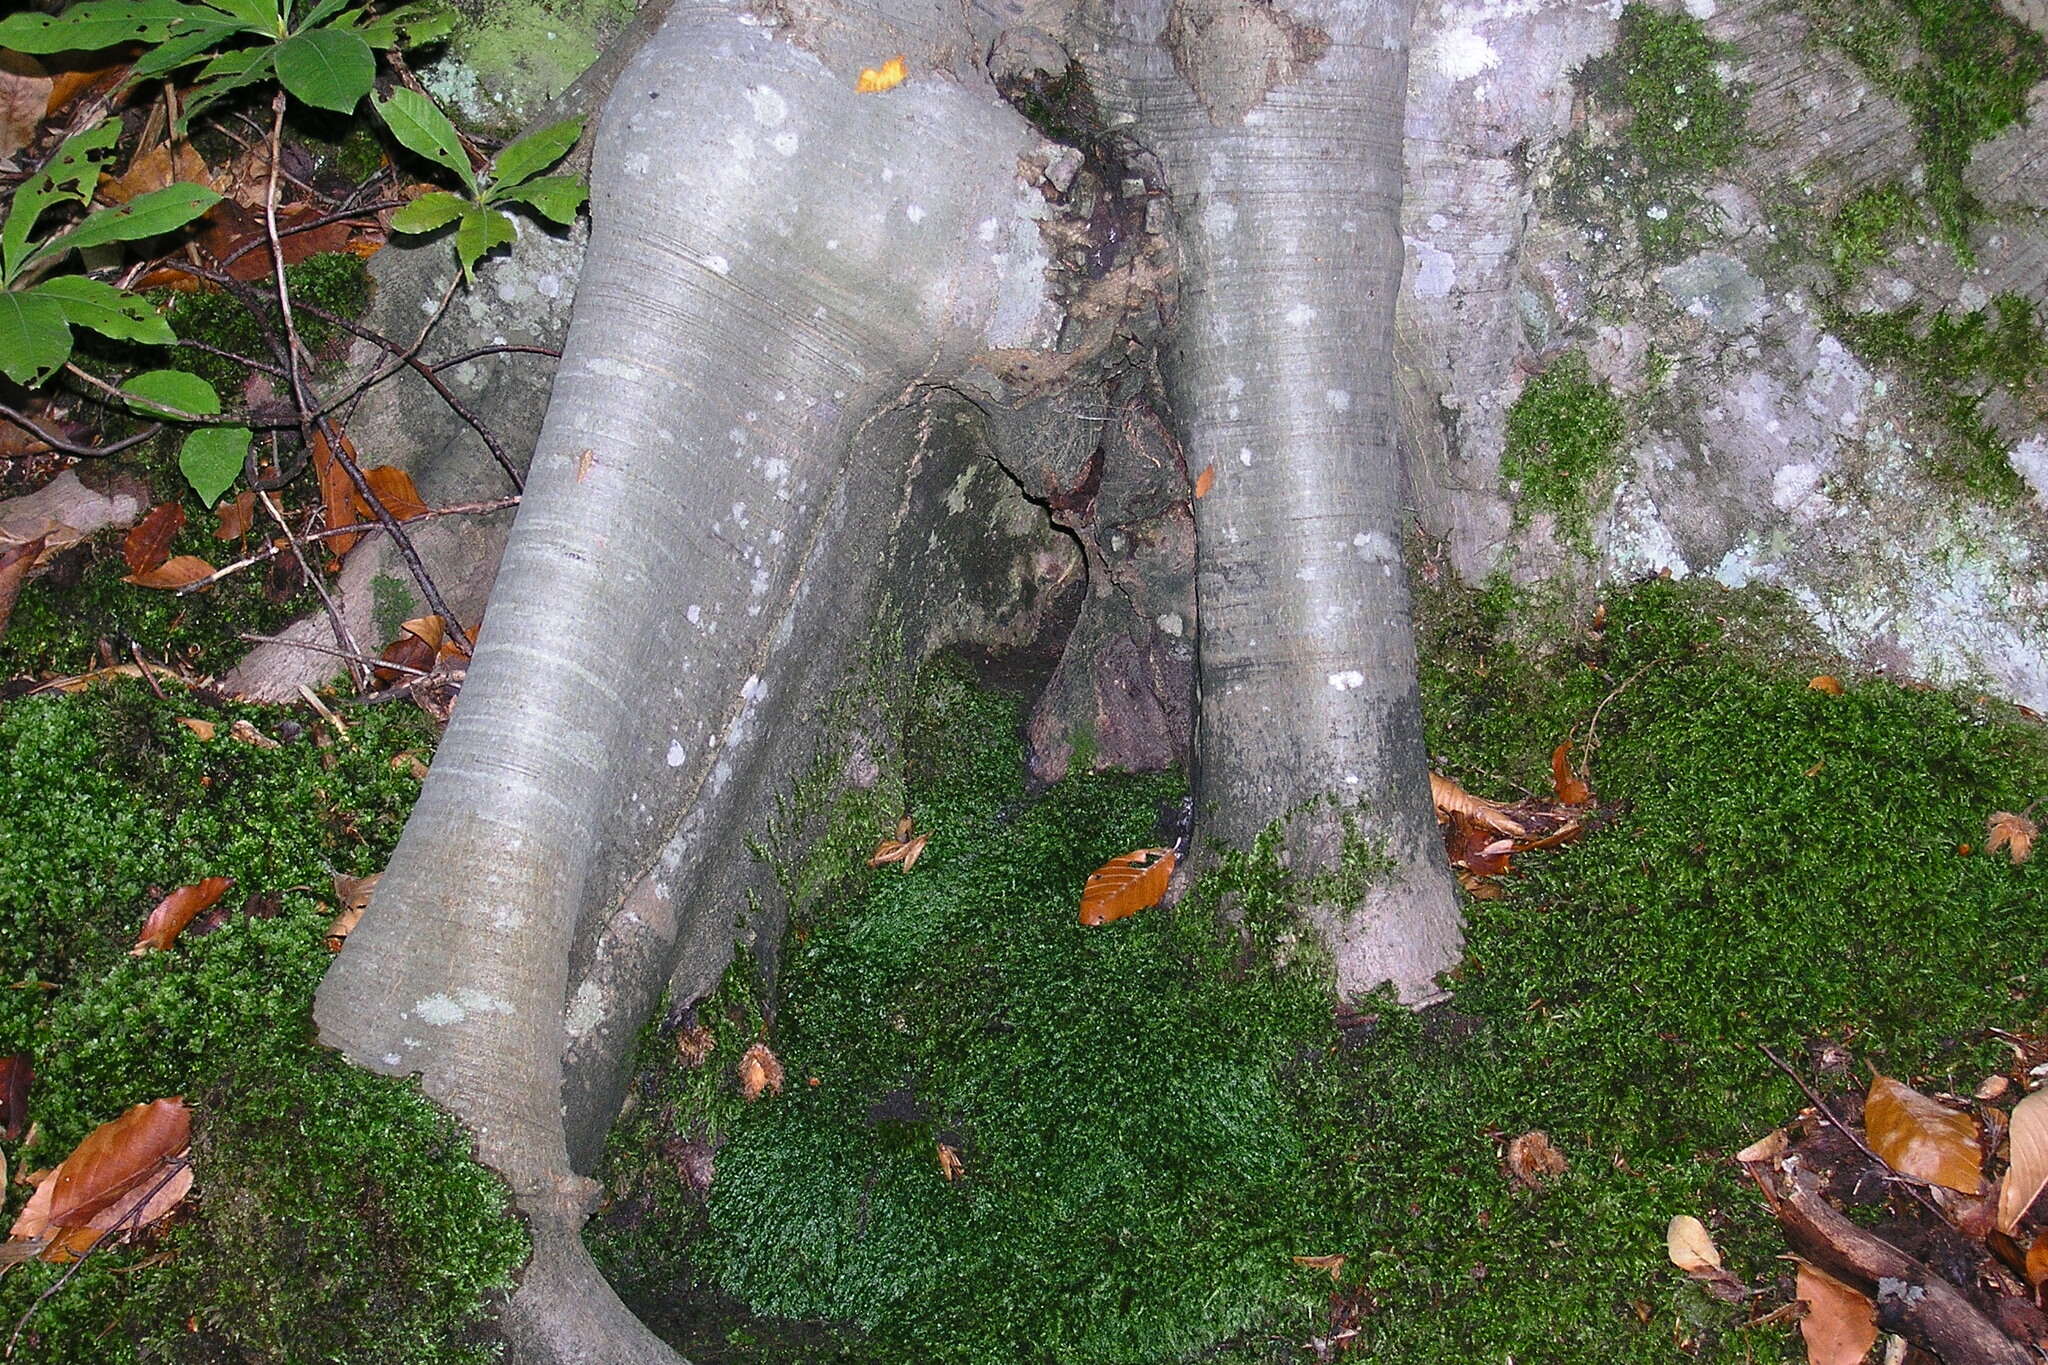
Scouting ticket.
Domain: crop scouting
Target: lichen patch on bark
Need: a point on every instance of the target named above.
(1233, 53)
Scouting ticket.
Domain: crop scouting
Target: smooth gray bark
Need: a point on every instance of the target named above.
(777, 265)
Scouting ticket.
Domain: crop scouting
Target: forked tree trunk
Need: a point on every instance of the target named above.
(778, 267)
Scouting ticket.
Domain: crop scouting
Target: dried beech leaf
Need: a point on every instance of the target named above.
(912, 851)
(760, 1072)
(341, 926)
(1827, 683)
(16, 1072)
(2028, 1174)
(1333, 1264)
(1126, 884)
(1533, 1162)
(1916, 1136)
(888, 851)
(148, 543)
(33, 1222)
(1453, 800)
(175, 911)
(205, 729)
(417, 647)
(2037, 1260)
(337, 492)
(1840, 1325)
(394, 488)
(1769, 1147)
(24, 96)
(950, 1164)
(2012, 832)
(694, 1043)
(1690, 1248)
(1205, 481)
(875, 79)
(245, 732)
(161, 166)
(353, 893)
(1991, 1088)
(235, 517)
(173, 573)
(1570, 788)
(116, 1157)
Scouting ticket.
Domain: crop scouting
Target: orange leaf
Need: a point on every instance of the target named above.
(175, 911)
(236, 517)
(1333, 1264)
(950, 1164)
(173, 573)
(1827, 683)
(2037, 1260)
(1533, 1162)
(1126, 884)
(1571, 789)
(875, 79)
(2028, 1174)
(760, 1072)
(1840, 1325)
(417, 647)
(393, 487)
(148, 543)
(1452, 799)
(1205, 481)
(2012, 832)
(1916, 1136)
(337, 494)
(118, 1156)
(155, 169)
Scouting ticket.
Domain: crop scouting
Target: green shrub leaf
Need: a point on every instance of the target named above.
(97, 24)
(34, 338)
(145, 215)
(421, 127)
(211, 460)
(534, 153)
(407, 26)
(429, 211)
(552, 196)
(191, 42)
(228, 72)
(480, 232)
(174, 392)
(109, 311)
(70, 176)
(260, 16)
(328, 68)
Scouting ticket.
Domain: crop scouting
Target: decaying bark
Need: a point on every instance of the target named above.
(798, 303)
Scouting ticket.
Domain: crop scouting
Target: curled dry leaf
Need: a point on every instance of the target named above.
(205, 729)
(1689, 1246)
(1205, 481)
(1991, 1088)
(1840, 1325)
(760, 1072)
(117, 1157)
(2037, 1261)
(2013, 833)
(2028, 1174)
(1453, 800)
(162, 165)
(394, 488)
(414, 651)
(177, 572)
(1916, 1136)
(903, 850)
(1827, 683)
(950, 1164)
(1533, 1162)
(1126, 884)
(1571, 789)
(1333, 1264)
(175, 911)
(341, 926)
(148, 542)
(234, 518)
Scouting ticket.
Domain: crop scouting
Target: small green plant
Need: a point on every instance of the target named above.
(513, 177)
(326, 58)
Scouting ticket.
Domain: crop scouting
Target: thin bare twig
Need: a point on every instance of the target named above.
(269, 552)
(56, 442)
(1593, 726)
(334, 617)
(256, 639)
(172, 1166)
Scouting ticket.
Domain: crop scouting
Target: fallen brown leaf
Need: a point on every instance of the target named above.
(1689, 1245)
(394, 488)
(176, 572)
(16, 1073)
(245, 732)
(175, 911)
(1916, 1136)
(1333, 1264)
(353, 893)
(162, 165)
(950, 1164)
(118, 1156)
(417, 647)
(2027, 1176)
(24, 96)
(236, 516)
(1205, 481)
(694, 1043)
(1840, 1325)
(1769, 1147)
(2014, 833)
(1827, 683)
(1571, 789)
(2037, 1260)
(341, 926)
(760, 1072)
(15, 562)
(1452, 799)
(148, 543)
(205, 729)
(1126, 884)
(1533, 1162)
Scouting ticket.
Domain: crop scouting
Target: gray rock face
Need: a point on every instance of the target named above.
(1762, 446)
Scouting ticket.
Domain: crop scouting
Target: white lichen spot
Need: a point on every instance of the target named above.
(1338, 399)
(2030, 460)
(914, 212)
(637, 164)
(769, 107)
(695, 615)
(985, 233)
(1435, 271)
(1373, 547)
(1347, 680)
(586, 1010)
(676, 753)
(439, 1010)
(1233, 386)
(760, 583)
(785, 144)
(1301, 315)
(831, 244)
(1170, 624)
(483, 1003)
(1463, 53)
(1702, 10)
(718, 265)
(1244, 455)
(1219, 217)
(1351, 779)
